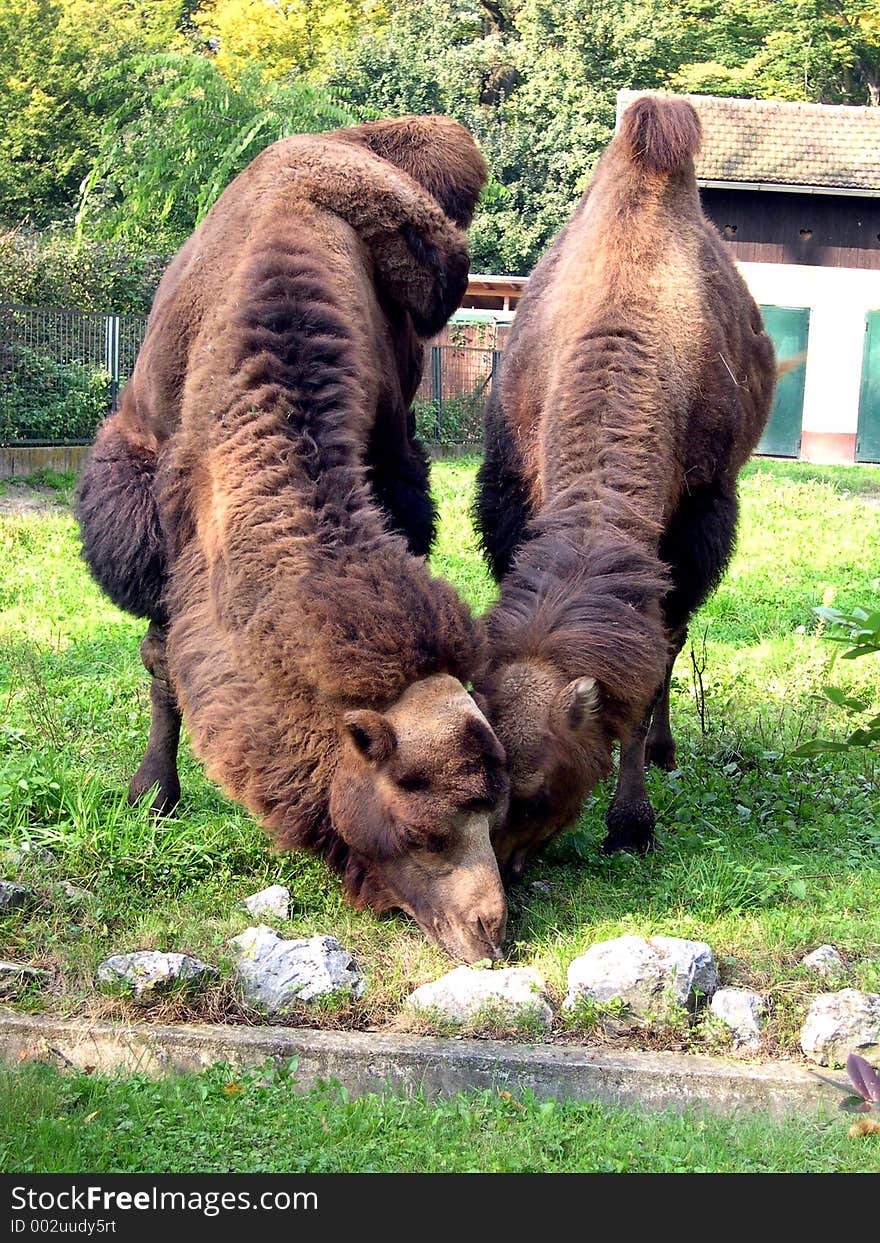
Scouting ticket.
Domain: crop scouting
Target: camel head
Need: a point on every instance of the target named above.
(415, 796)
(557, 749)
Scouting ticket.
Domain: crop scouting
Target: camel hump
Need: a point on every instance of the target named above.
(661, 134)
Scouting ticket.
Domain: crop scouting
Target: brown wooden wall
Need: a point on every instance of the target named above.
(768, 226)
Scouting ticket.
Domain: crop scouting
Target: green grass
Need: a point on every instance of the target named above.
(763, 855)
(224, 1120)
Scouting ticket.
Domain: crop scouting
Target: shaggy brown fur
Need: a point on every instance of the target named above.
(636, 383)
(245, 498)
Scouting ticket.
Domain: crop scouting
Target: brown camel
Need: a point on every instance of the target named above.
(260, 498)
(636, 383)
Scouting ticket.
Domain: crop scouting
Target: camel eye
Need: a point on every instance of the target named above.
(413, 782)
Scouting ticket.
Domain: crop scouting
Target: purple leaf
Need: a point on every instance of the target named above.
(863, 1077)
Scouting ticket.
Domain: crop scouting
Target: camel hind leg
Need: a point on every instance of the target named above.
(124, 548)
(660, 743)
(501, 510)
(697, 546)
(159, 765)
(401, 482)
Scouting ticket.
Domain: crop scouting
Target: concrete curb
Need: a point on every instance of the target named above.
(372, 1062)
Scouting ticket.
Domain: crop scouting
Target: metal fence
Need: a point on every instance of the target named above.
(451, 397)
(61, 371)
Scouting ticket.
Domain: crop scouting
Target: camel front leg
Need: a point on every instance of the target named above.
(630, 819)
(660, 745)
(159, 765)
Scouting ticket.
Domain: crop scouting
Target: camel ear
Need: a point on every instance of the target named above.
(576, 703)
(372, 734)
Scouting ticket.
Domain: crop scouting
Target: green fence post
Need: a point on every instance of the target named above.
(437, 387)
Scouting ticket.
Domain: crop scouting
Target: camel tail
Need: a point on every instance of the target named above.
(660, 134)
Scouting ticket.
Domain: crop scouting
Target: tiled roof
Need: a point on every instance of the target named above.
(764, 141)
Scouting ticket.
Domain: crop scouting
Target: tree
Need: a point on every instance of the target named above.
(824, 51)
(52, 53)
(181, 134)
(285, 36)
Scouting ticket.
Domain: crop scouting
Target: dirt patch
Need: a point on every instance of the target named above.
(24, 498)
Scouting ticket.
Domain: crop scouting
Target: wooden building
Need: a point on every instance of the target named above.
(486, 292)
(794, 190)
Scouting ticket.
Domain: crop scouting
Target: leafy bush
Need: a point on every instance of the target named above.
(56, 269)
(43, 399)
(861, 629)
(181, 134)
(453, 421)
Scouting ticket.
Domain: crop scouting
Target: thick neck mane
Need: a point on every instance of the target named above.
(588, 604)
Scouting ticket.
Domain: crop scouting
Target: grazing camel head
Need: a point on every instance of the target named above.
(415, 796)
(557, 749)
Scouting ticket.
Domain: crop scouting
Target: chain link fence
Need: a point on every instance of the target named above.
(61, 371)
(451, 397)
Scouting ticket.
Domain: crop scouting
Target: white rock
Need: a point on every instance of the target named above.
(643, 972)
(461, 994)
(147, 973)
(838, 1024)
(12, 969)
(276, 973)
(825, 960)
(741, 1010)
(272, 901)
(73, 893)
(28, 853)
(13, 897)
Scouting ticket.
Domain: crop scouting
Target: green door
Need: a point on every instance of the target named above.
(788, 327)
(868, 438)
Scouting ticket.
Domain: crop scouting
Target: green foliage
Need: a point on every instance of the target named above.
(536, 80)
(58, 269)
(53, 55)
(181, 134)
(288, 36)
(761, 854)
(157, 117)
(249, 1119)
(49, 401)
(826, 51)
(859, 629)
(455, 422)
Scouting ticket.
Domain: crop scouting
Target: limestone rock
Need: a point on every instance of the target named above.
(19, 970)
(27, 854)
(276, 973)
(73, 893)
(825, 961)
(508, 993)
(13, 897)
(644, 973)
(149, 973)
(741, 1010)
(838, 1024)
(272, 901)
